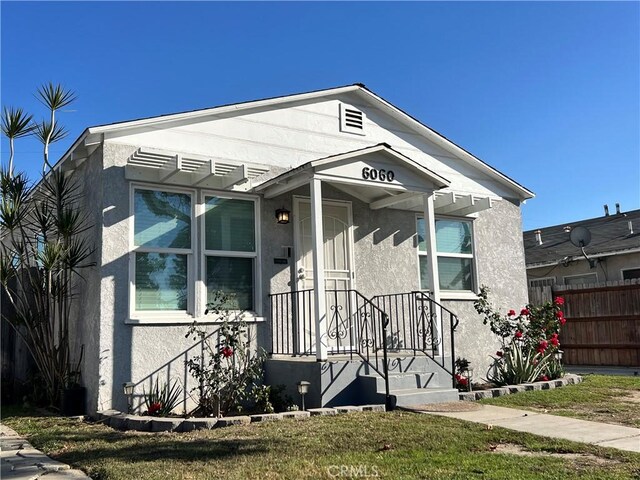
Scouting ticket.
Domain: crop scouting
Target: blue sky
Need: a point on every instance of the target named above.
(548, 93)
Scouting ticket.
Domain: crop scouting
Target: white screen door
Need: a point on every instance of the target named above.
(339, 275)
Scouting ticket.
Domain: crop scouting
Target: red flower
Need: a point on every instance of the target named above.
(524, 311)
(227, 352)
(518, 334)
(554, 341)
(559, 314)
(463, 381)
(542, 346)
(512, 313)
(543, 378)
(154, 407)
(499, 353)
(563, 321)
(559, 301)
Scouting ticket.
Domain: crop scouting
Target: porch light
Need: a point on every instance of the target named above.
(303, 389)
(282, 215)
(128, 387)
(469, 372)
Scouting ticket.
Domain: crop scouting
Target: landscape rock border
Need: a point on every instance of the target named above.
(122, 421)
(569, 379)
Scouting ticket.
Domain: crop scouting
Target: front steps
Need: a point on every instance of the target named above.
(413, 381)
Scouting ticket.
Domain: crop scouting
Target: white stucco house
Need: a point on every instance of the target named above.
(389, 224)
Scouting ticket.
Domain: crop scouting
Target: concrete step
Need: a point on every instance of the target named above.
(410, 363)
(420, 396)
(400, 381)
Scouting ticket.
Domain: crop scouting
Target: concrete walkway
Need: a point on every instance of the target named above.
(596, 433)
(20, 461)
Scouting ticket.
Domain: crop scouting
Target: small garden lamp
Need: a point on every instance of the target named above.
(469, 372)
(128, 392)
(303, 389)
(558, 356)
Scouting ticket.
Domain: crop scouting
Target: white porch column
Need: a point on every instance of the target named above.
(432, 259)
(318, 269)
(430, 243)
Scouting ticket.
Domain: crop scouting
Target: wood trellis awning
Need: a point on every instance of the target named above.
(152, 165)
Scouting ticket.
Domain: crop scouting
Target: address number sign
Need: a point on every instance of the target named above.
(380, 174)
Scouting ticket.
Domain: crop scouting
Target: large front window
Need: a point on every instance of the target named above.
(454, 250)
(164, 276)
(230, 249)
(162, 248)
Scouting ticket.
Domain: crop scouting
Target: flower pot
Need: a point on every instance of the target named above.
(74, 401)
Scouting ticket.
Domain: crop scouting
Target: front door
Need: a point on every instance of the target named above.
(339, 273)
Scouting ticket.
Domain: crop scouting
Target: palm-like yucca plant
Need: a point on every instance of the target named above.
(15, 124)
(54, 97)
(43, 252)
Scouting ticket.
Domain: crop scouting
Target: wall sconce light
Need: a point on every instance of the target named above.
(128, 387)
(282, 215)
(303, 389)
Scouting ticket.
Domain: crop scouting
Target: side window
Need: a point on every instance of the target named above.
(454, 248)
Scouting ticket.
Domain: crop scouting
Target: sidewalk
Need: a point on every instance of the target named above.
(601, 434)
(20, 461)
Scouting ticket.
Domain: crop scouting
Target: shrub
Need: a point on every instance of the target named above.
(226, 371)
(530, 340)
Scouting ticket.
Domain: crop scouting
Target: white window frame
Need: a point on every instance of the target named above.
(161, 316)
(564, 279)
(622, 270)
(452, 294)
(541, 279)
(256, 255)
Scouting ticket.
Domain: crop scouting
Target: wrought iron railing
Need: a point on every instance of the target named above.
(356, 326)
(419, 324)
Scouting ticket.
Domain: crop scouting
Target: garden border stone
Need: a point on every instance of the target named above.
(144, 423)
(569, 379)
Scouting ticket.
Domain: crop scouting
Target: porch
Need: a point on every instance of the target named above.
(396, 349)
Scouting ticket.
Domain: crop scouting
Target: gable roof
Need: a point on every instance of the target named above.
(95, 133)
(609, 234)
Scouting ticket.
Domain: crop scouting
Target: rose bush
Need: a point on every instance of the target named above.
(529, 341)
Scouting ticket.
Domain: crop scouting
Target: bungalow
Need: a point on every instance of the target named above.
(353, 237)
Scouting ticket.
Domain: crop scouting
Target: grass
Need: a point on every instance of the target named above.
(602, 398)
(398, 445)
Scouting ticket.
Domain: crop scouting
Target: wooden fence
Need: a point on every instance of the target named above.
(603, 322)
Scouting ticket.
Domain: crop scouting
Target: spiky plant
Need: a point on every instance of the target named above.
(54, 97)
(43, 253)
(15, 124)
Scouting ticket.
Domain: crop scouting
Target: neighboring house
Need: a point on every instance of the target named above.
(614, 251)
(378, 206)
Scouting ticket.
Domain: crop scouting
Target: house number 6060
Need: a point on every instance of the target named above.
(378, 174)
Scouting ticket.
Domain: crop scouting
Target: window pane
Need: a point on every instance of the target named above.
(453, 236)
(229, 225)
(631, 273)
(581, 279)
(455, 273)
(233, 276)
(422, 246)
(162, 219)
(161, 281)
(424, 277)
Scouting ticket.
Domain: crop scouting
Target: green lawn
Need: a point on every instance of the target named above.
(602, 398)
(398, 445)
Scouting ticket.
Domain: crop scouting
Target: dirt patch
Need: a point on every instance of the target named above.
(583, 459)
(631, 397)
(445, 407)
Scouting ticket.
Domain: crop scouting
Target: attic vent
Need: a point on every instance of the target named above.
(351, 120)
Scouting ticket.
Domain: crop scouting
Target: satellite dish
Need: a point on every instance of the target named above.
(580, 237)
